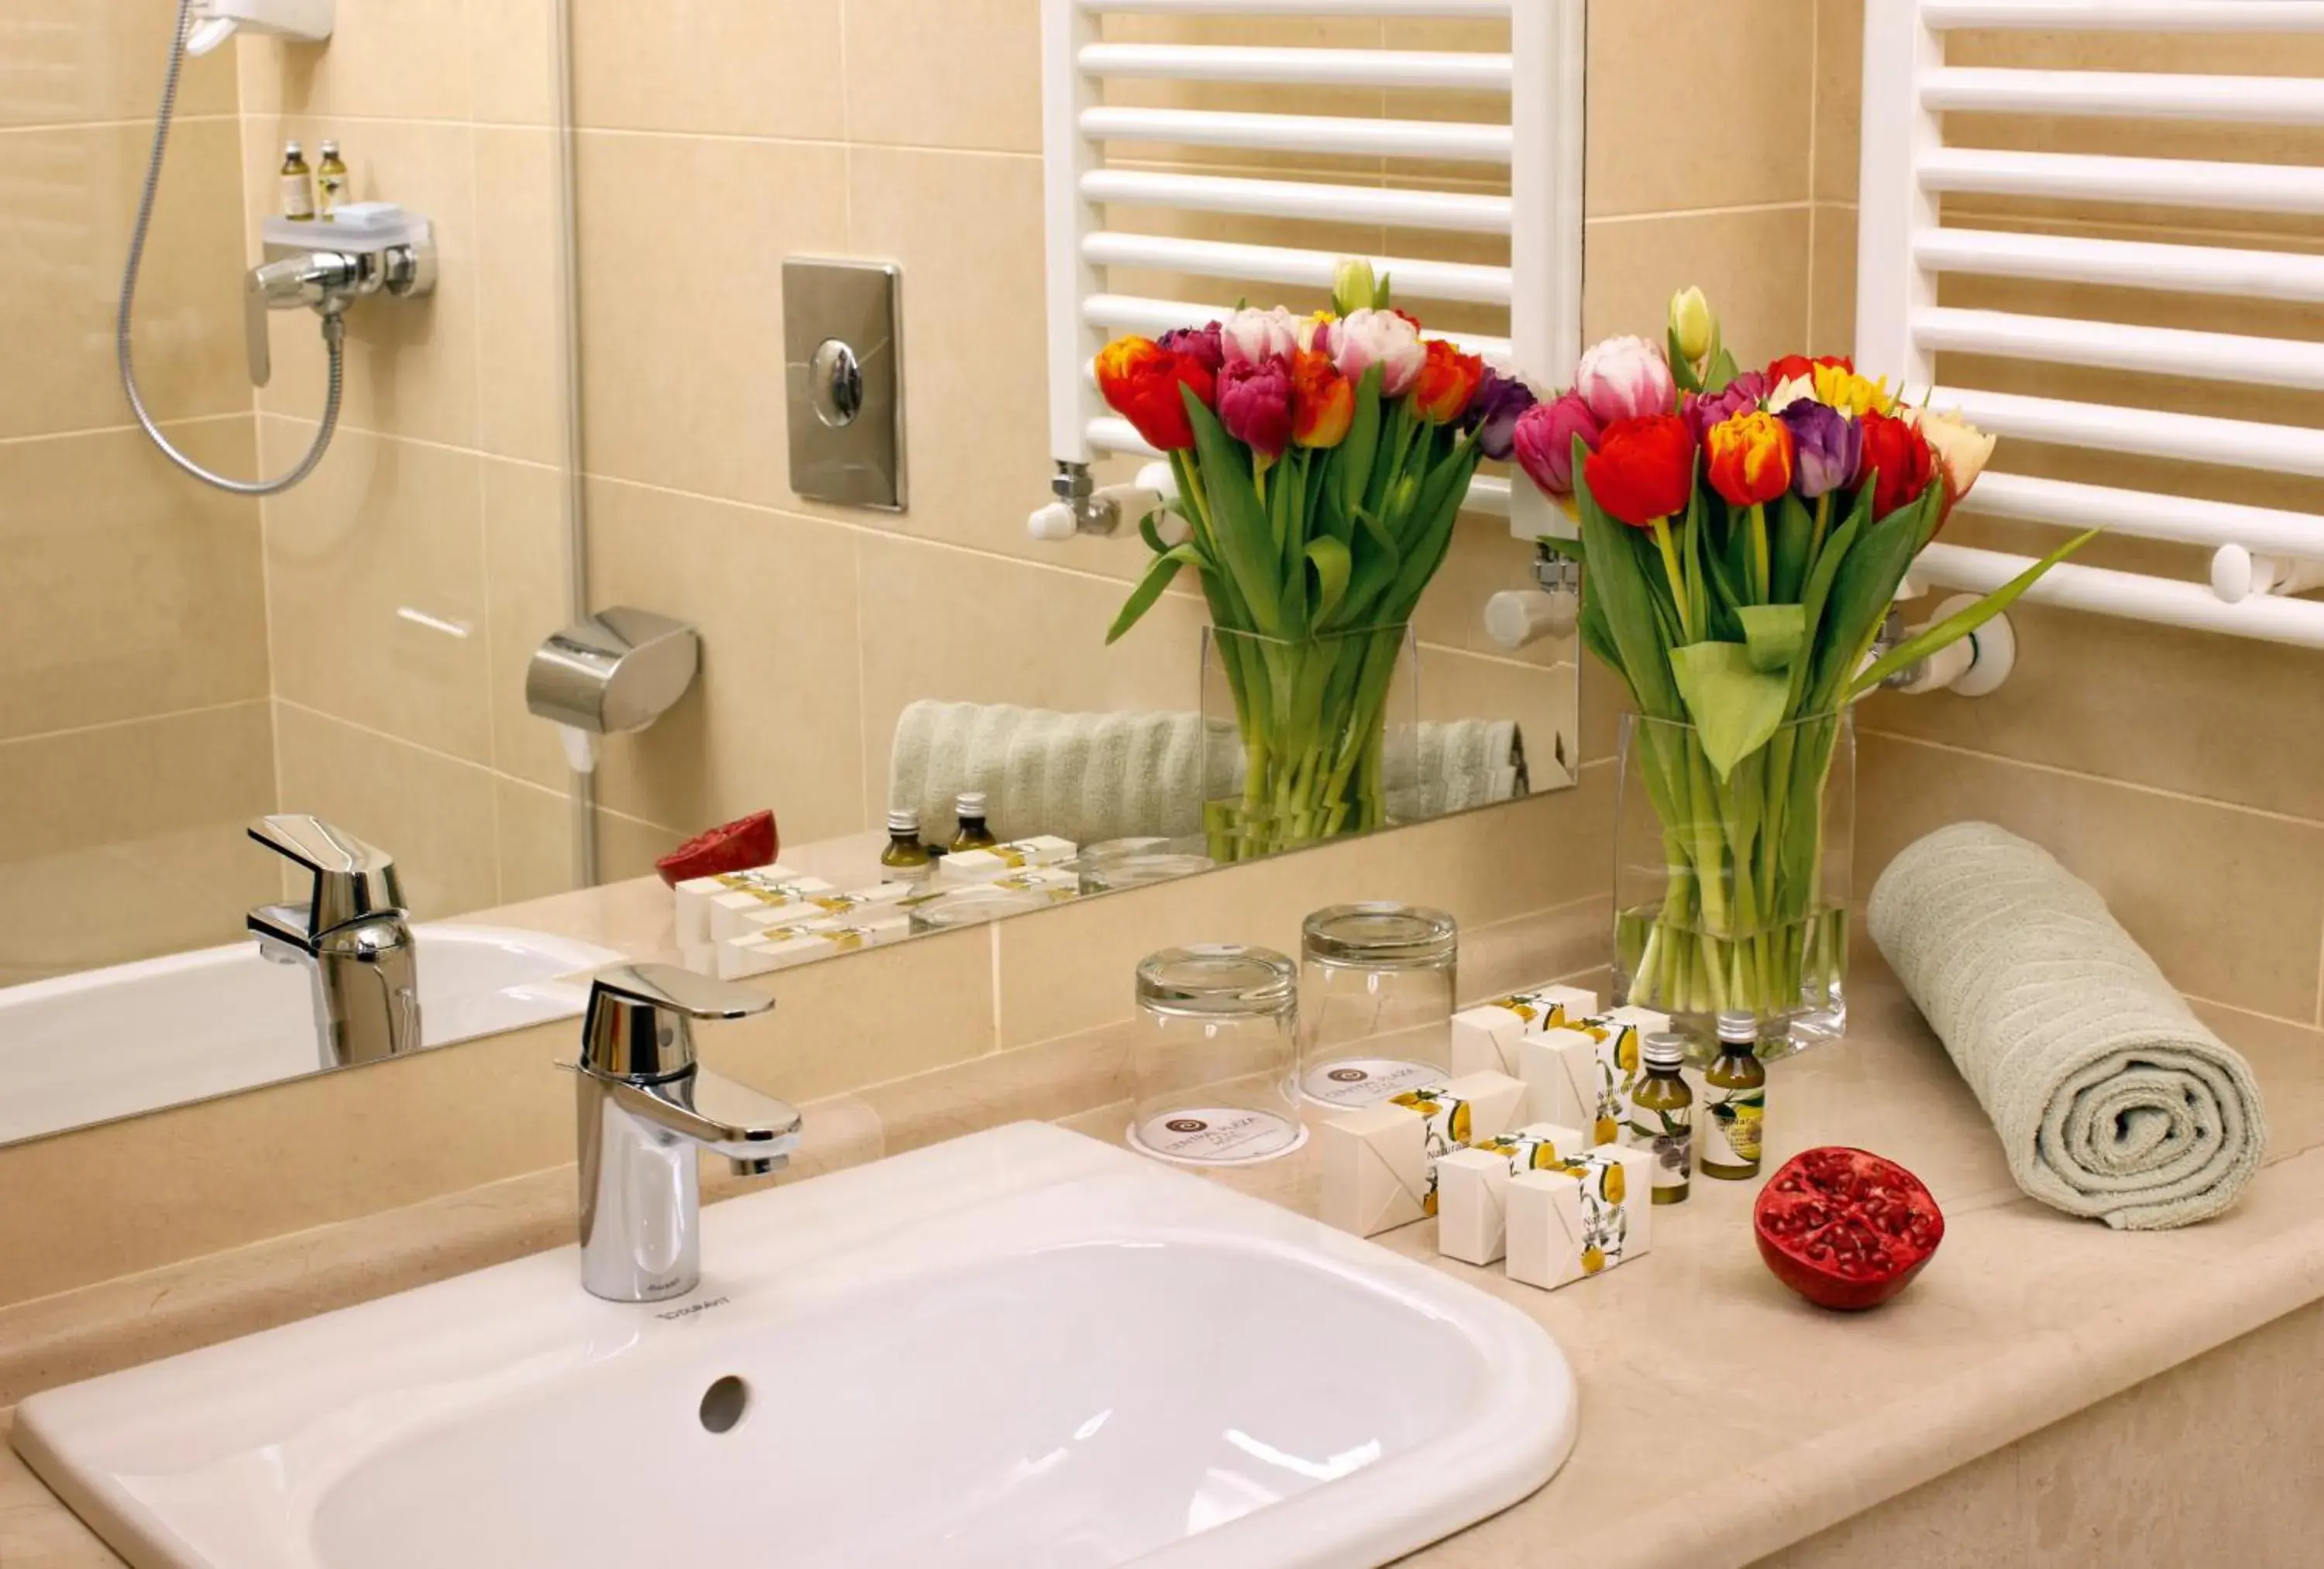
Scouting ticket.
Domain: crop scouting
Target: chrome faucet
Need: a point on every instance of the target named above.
(643, 1108)
(352, 934)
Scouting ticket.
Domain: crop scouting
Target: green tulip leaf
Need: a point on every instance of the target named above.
(1963, 622)
(1773, 634)
(1330, 559)
(1735, 707)
(1158, 573)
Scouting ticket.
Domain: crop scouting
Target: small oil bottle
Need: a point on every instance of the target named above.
(1662, 1117)
(297, 186)
(1735, 1101)
(330, 183)
(973, 834)
(906, 859)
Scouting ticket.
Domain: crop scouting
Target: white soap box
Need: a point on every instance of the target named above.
(1583, 1217)
(691, 898)
(780, 946)
(982, 866)
(1472, 1186)
(738, 912)
(1378, 1163)
(1485, 1038)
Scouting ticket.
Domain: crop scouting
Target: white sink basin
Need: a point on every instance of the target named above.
(109, 1042)
(1021, 1350)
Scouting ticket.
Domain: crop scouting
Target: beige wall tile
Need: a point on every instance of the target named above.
(1036, 637)
(966, 74)
(730, 68)
(1066, 970)
(433, 814)
(2094, 693)
(521, 376)
(627, 847)
(411, 363)
(386, 58)
(1839, 96)
(63, 232)
(156, 804)
(382, 528)
(1747, 73)
(682, 241)
(1831, 290)
(2229, 902)
(1753, 264)
(132, 589)
(527, 599)
(771, 720)
(74, 62)
(535, 840)
(512, 50)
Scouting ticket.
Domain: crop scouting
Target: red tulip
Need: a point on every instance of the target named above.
(1323, 401)
(1896, 460)
(1643, 469)
(1448, 380)
(1141, 381)
(1750, 458)
(1255, 405)
(1800, 366)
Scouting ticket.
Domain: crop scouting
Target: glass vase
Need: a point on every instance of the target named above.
(1307, 741)
(1732, 895)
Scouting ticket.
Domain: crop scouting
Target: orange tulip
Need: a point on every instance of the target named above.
(1448, 380)
(1750, 458)
(1323, 401)
(1140, 380)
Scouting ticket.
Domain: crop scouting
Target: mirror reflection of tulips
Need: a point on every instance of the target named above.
(1320, 461)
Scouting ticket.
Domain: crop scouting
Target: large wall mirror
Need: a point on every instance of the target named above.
(563, 496)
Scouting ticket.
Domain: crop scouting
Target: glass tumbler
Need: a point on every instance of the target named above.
(1376, 985)
(1218, 1037)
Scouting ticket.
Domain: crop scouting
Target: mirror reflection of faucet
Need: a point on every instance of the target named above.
(353, 933)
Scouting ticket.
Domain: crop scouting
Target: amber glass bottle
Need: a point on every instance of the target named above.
(1662, 1117)
(906, 859)
(1735, 1101)
(973, 833)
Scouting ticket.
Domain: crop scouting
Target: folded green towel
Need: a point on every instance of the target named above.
(2111, 1098)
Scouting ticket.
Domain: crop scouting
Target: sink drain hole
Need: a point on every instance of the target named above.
(724, 1403)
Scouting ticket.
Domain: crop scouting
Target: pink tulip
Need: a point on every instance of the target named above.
(1252, 338)
(1255, 405)
(1623, 379)
(1544, 441)
(1387, 338)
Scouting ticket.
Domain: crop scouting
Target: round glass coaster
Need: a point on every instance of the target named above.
(1216, 1136)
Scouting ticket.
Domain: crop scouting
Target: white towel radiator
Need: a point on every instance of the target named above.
(1539, 146)
(2261, 554)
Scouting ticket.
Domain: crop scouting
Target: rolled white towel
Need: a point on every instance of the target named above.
(2111, 1098)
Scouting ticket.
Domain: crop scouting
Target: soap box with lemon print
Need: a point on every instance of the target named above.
(1581, 1216)
(1473, 1186)
(1583, 1073)
(1379, 1163)
(1485, 1038)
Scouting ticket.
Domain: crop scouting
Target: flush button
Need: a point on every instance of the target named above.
(843, 374)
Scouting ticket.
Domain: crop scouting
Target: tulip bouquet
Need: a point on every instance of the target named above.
(1320, 463)
(1744, 533)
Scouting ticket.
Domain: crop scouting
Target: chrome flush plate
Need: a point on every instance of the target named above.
(843, 373)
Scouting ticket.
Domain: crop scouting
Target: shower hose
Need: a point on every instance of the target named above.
(334, 329)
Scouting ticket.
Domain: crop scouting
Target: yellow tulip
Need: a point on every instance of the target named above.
(1838, 387)
(1691, 325)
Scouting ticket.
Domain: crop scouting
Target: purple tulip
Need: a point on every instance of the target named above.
(1704, 410)
(1255, 405)
(1826, 446)
(1544, 443)
(1203, 342)
(1494, 411)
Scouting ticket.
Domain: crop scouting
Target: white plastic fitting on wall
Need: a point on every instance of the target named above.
(2261, 553)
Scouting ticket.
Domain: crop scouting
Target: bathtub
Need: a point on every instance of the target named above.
(109, 1042)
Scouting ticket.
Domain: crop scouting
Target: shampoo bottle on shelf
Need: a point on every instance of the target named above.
(1733, 1101)
(330, 183)
(298, 184)
(973, 833)
(906, 859)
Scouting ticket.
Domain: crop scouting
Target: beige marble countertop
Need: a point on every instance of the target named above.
(1722, 1419)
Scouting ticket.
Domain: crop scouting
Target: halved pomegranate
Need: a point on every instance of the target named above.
(737, 847)
(1844, 1228)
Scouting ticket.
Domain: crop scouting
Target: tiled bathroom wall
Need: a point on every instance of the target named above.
(133, 650)
(2181, 772)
